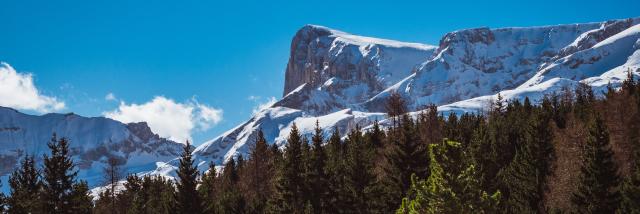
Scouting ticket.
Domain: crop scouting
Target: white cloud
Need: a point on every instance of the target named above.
(208, 116)
(167, 118)
(264, 105)
(18, 91)
(110, 97)
(253, 98)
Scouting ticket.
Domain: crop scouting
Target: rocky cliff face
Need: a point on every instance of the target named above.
(92, 142)
(342, 80)
(329, 70)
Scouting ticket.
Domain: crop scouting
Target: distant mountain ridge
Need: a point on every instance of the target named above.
(92, 141)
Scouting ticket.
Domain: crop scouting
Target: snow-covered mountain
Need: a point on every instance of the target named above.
(342, 80)
(92, 142)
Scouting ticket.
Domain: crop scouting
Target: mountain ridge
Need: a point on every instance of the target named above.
(463, 74)
(93, 140)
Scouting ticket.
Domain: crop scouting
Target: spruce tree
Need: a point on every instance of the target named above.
(59, 177)
(598, 186)
(360, 181)
(630, 191)
(229, 199)
(259, 173)
(289, 182)
(406, 155)
(157, 195)
(335, 169)
(317, 176)
(187, 198)
(130, 199)
(520, 180)
(376, 136)
(207, 189)
(81, 200)
(25, 187)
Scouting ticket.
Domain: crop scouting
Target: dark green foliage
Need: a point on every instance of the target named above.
(156, 194)
(187, 198)
(230, 199)
(406, 155)
(289, 196)
(335, 169)
(208, 189)
(81, 200)
(60, 193)
(598, 188)
(317, 177)
(360, 181)
(258, 174)
(630, 192)
(25, 188)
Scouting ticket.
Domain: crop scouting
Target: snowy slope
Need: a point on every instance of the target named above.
(606, 62)
(478, 62)
(92, 142)
(342, 79)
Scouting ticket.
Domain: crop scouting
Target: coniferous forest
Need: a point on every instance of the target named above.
(577, 151)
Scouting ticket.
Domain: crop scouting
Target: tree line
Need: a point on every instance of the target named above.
(572, 153)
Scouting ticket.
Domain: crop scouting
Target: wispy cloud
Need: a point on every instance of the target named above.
(168, 118)
(110, 97)
(263, 105)
(18, 91)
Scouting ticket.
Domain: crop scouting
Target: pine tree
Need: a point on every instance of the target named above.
(289, 182)
(230, 200)
(259, 175)
(81, 200)
(318, 179)
(335, 169)
(129, 199)
(25, 188)
(59, 177)
(207, 189)
(520, 180)
(187, 198)
(598, 187)
(406, 155)
(376, 136)
(630, 191)
(157, 195)
(360, 181)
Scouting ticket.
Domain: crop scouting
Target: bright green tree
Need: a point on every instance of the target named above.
(451, 187)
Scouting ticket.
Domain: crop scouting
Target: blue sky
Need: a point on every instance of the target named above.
(228, 55)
